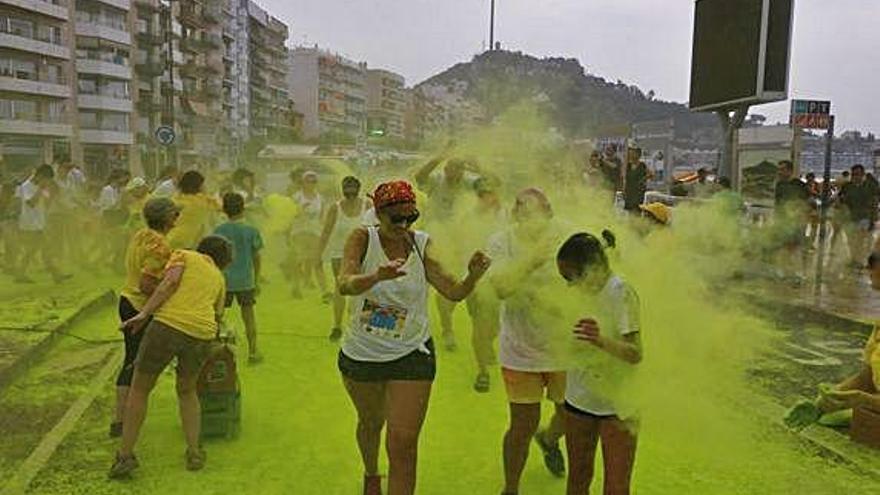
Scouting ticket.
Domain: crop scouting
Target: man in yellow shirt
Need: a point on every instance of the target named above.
(183, 314)
(197, 211)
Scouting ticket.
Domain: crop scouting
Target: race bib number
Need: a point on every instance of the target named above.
(383, 321)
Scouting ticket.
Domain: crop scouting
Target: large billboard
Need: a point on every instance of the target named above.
(741, 52)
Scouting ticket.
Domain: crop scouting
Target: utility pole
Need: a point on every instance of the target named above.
(492, 27)
(169, 65)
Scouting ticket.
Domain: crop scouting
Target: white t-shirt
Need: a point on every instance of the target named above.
(524, 344)
(165, 189)
(592, 387)
(32, 218)
(109, 198)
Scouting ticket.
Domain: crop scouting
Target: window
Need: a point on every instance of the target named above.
(88, 86)
(115, 89)
(53, 74)
(6, 109)
(111, 121)
(21, 27)
(88, 120)
(25, 69)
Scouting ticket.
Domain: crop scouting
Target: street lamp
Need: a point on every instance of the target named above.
(492, 26)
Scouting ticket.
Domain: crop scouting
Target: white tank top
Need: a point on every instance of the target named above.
(390, 320)
(343, 228)
(308, 220)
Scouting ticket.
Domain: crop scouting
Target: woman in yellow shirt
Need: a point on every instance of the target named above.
(183, 314)
(145, 259)
(197, 211)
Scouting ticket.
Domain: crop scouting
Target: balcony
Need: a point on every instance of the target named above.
(151, 69)
(199, 69)
(104, 68)
(148, 106)
(119, 4)
(148, 6)
(34, 126)
(101, 136)
(195, 45)
(106, 31)
(191, 17)
(104, 102)
(146, 38)
(55, 89)
(39, 46)
(41, 7)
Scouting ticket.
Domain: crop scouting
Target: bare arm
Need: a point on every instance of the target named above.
(351, 281)
(166, 288)
(629, 349)
(148, 284)
(507, 281)
(329, 223)
(446, 284)
(423, 175)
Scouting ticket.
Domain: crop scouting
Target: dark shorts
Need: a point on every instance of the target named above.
(244, 298)
(162, 343)
(586, 415)
(132, 343)
(415, 366)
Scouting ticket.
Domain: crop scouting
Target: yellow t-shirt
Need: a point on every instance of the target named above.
(872, 356)
(147, 253)
(196, 214)
(199, 298)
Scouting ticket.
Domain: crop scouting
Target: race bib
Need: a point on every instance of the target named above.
(383, 321)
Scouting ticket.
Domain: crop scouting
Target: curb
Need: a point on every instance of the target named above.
(8, 375)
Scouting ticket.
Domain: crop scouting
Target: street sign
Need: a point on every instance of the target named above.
(811, 114)
(165, 135)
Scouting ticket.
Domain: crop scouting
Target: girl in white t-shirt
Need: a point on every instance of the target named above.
(592, 411)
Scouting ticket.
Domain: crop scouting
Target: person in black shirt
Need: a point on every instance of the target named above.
(637, 175)
(859, 198)
(791, 212)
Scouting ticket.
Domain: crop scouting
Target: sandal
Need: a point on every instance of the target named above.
(481, 385)
(195, 459)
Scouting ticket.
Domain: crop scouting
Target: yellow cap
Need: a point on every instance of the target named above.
(659, 211)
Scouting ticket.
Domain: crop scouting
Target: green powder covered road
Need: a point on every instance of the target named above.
(298, 433)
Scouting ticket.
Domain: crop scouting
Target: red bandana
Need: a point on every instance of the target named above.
(392, 193)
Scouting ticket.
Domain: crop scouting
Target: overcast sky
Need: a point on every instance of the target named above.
(835, 55)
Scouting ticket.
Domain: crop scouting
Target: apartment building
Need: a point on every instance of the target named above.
(330, 91)
(93, 79)
(423, 116)
(386, 103)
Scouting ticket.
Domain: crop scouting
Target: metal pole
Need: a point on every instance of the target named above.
(492, 27)
(169, 63)
(826, 204)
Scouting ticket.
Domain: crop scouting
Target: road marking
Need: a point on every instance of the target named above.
(29, 469)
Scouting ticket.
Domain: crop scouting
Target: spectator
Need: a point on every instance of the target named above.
(792, 207)
(637, 175)
(611, 166)
(182, 317)
(859, 198)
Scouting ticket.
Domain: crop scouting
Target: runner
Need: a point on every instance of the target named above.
(135, 198)
(243, 275)
(305, 237)
(387, 359)
(528, 365)
(342, 218)
(444, 194)
(166, 184)
(145, 260)
(114, 215)
(197, 211)
(637, 176)
(181, 319)
(483, 304)
(859, 197)
(35, 196)
(592, 412)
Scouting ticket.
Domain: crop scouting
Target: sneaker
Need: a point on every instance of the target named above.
(195, 460)
(372, 484)
(449, 341)
(335, 334)
(123, 467)
(552, 455)
(116, 429)
(481, 384)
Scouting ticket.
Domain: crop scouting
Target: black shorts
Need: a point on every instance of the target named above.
(415, 366)
(132, 343)
(584, 414)
(244, 298)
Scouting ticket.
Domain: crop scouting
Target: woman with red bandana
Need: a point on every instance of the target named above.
(387, 359)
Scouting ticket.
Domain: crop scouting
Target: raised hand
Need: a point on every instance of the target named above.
(479, 264)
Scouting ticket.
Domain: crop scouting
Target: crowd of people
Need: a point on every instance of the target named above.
(188, 253)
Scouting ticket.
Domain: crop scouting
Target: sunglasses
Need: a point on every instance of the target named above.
(408, 219)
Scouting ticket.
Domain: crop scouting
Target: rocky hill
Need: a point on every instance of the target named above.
(580, 104)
